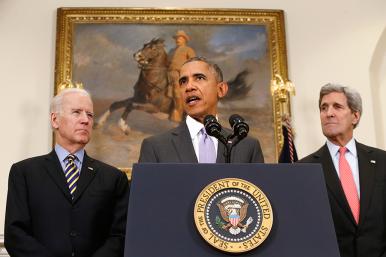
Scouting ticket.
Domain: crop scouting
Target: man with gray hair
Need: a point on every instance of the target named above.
(355, 175)
(66, 203)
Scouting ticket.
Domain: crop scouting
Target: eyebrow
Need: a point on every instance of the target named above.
(332, 104)
(195, 75)
(80, 109)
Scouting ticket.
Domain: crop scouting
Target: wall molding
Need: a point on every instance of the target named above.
(3, 252)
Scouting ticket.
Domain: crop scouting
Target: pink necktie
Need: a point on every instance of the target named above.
(348, 184)
(206, 150)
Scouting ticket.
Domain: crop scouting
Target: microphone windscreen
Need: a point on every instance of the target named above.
(209, 119)
(234, 119)
(212, 127)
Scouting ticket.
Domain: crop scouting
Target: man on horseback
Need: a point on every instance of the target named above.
(201, 86)
(177, 57)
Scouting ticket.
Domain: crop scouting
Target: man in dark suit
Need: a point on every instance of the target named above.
(201, 87)
(65, 203)
(355, 175)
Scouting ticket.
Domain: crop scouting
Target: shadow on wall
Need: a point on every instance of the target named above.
(377, 72)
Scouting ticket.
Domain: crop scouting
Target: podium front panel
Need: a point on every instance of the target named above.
(162, 197)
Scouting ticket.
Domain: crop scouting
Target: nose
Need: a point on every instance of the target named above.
(190, 86)
(85, 118)
(330, 112)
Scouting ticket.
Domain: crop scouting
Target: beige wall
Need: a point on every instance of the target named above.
(340, 41)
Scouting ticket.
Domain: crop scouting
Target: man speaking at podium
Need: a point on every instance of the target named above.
(201, 87)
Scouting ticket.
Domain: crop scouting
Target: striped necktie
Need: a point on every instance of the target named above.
(348, 184)
(71, 173)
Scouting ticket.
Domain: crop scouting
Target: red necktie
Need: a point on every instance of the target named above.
(348, 184)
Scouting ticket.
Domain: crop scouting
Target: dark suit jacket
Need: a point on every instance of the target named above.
(368, 238)
(176, 146)
(42, 220)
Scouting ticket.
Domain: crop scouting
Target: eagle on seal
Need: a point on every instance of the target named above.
(233, 210)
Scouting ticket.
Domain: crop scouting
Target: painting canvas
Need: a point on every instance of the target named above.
(102, 58)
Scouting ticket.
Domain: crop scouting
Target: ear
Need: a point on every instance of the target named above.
(222, 89)
(357, 116)
(54, 120)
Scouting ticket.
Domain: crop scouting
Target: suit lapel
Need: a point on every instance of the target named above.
(220, 153)
(333, 181)
(366, 178)
(55, 171)
(183, 144)
(87, 174)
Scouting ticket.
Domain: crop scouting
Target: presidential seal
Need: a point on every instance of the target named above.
(233, 215)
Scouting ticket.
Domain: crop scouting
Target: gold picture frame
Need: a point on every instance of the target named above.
(94, 44)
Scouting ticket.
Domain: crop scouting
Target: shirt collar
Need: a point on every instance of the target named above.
(194, 126)
(334, 149)
(63, 153)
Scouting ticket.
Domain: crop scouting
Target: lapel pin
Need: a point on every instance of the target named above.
(90, 168)
(373, 161)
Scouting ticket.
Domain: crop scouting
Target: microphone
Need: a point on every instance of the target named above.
(240, 128)
(212, 127)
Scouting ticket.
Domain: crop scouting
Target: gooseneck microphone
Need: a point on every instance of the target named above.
(213, 128)
(240, 128)
(240, 131)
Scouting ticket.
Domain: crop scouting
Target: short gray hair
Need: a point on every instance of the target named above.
(354, 100)
(56, 102)
(214, 67)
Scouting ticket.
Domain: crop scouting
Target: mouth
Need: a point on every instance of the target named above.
(329, 124)
(191, 100)
(140, 60)
(83, 131)
(142, 63)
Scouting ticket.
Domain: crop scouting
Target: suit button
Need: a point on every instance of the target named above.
(73, 234)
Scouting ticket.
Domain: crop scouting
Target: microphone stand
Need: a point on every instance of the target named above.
(240, 131)
(214, 128)
(228, 143)
(228, 150)
(231, 141)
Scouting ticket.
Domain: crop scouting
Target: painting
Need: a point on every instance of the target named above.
(103, 49)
